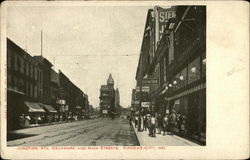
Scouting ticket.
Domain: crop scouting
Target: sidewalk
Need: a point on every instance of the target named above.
(160, 140)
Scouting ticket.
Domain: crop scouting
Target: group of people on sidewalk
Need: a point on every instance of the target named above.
(161, 124)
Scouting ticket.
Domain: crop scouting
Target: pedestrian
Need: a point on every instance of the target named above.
(153, 124)
(172, 122)
(136, 121)
(149, 126)
(165, 124)
(130, 120)
(159, 123)
(178, 121)
(22, 120)
(183, 121)
(145, 123)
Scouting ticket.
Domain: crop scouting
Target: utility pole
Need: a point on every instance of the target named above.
(41, 42)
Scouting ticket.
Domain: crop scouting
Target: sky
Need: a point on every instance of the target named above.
(86, 43)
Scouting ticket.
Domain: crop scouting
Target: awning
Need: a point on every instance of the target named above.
(49, 108)
(33, 107)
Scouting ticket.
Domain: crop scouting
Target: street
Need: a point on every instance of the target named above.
(95, 132)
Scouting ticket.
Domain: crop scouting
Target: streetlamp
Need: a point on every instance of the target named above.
(181, 78)
(175, 82)
(204, 61)
(193, 69)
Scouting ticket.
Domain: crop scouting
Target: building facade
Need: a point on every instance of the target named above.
(34, 90)
(107, 98)
(176, 61)
(24, 88)
(73, 98)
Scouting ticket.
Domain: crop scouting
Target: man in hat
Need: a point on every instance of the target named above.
(172, 121)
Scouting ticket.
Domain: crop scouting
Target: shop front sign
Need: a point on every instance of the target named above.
(61, 101)
(105, 111)
(145, 104)
(149, 81)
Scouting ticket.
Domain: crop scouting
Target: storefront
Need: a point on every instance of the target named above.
(14, 108)
(191, 104)
(34, 113)
(50, 115)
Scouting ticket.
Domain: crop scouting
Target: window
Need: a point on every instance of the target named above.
(194, 70)
(35, 75)
(35, 91)
(9, 60)
(176, 81)
(38, 75)
(41, 76)
(31, 71)
(27, 68)
(34, 72)
(20, 85)
(31, 90)
(12, 62)
(183, 77)
(15, 63)
(27, 89)
(18, 64)
(22, 65)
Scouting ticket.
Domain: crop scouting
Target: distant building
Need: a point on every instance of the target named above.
(107, 97)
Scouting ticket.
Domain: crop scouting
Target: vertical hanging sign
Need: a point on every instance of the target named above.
(162, 16)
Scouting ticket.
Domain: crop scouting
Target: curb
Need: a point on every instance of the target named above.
(174, 136)
(185, 140)
(136, 134)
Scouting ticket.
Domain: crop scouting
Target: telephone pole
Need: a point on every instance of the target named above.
(41, 42)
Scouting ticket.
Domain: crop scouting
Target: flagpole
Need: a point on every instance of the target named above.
(41, 42)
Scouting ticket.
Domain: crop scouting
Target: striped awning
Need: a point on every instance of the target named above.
(48, 107)
(34, 107)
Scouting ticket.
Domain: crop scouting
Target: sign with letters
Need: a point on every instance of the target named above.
(162, 16)
(61, 101)
(149, 81)
(105, 111)
(145, 104)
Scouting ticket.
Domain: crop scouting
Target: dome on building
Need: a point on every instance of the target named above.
(110, 79)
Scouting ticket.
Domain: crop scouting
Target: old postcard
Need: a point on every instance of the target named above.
(124, 80)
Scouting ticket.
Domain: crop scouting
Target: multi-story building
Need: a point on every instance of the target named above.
(107, 97)
(176, 60)
(73, 97)
(34, 90)
(25, 88)
(46, 68)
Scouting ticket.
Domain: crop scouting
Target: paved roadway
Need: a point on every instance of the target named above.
(95, 132)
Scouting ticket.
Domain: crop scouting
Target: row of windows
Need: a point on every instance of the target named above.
(191, 73)
(17, 63)
(30, 90)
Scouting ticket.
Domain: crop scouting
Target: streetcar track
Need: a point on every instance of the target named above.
(63, 132)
